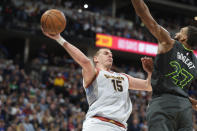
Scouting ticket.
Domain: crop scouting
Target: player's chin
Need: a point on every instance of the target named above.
(109, 64)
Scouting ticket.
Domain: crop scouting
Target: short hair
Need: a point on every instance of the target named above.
(98, 49)
(192, 37)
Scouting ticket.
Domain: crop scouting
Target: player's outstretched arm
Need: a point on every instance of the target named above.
(139, 84)
(89, 70)
(161, 34)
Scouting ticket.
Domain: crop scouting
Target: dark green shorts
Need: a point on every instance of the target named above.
(169, 113)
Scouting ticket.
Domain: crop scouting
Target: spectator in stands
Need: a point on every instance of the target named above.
(2, 125)
(22, 11)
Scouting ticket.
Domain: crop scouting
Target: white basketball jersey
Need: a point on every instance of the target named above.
(108, 97)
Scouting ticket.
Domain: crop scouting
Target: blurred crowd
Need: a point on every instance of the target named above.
(25, 15)
(189, 2)
(47, 95)
(50, 100)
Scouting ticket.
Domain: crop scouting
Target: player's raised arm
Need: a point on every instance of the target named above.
(161, 34)
(139, 84)
(89, 70)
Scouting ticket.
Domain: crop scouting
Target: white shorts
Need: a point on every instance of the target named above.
(93, 124)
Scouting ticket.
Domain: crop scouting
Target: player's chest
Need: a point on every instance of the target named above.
(112, 82)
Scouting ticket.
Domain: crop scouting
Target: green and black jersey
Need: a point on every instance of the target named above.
(174, 71)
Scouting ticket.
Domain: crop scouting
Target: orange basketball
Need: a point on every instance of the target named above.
(53, 21)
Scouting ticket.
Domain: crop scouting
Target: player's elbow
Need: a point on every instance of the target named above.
(149, 89)
(155, 27)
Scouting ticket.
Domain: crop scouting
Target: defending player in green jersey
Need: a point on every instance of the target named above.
(175, 67)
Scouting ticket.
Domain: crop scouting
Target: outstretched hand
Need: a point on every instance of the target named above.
(194, 103)
(54, 37)
(194, 107)
(147, 63)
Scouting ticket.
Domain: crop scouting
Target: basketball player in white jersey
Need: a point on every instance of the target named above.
(107, 91)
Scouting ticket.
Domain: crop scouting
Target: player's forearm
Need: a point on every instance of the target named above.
(143, 12)
(140, 7)
(148, 82)
(75, 53)
(146, 17)
(139, 84)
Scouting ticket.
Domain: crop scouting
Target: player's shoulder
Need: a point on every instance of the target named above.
(126, 75)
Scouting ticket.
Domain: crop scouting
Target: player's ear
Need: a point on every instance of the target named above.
(186, 38)
(95, 59)
(184, 35)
